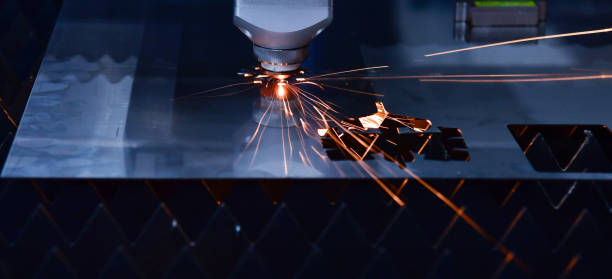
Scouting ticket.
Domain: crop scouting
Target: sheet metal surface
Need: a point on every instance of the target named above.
(103, 102)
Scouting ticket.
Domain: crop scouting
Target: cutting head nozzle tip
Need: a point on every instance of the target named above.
(280, 60)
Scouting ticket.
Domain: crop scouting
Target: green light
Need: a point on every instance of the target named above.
(504, 3)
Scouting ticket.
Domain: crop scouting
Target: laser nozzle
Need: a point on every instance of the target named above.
(281, 30)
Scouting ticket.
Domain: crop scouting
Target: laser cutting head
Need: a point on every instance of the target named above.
(281, 30)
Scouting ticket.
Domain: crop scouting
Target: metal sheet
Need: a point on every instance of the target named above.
(104, 100)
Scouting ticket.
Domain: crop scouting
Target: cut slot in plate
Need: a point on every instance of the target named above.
(565, 148)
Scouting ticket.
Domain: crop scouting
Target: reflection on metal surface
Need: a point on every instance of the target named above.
(151, 127)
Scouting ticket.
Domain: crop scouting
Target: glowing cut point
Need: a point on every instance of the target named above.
(322, 132)
(281, 90)
(281, 78)
(374, 121)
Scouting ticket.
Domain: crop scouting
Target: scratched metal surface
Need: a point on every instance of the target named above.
(102, 104)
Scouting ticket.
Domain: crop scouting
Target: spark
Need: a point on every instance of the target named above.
(358, 159)
(448, 228)
(457, 188)
(589, 77)
(512, 191)
(7, 114)
(393, 194)
(524, 40)
(365, 153)
(259, 124)
(401, 187)
(350, 71)
(571, 230)
(257, 130)
(286, 171)
(318, 153)
(507, 259)
(515, 221)
(230, 93)
(439, 76)
(311, 83)
(467, 219)
(321, 112)
(302, 158)
(260, 137)
(353, 90)
(570, 266)
(214, 89)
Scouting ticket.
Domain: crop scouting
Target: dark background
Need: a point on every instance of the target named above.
(279, 228)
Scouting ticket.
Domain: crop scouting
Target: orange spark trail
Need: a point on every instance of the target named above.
(363, 165)
(353, 90)
(515, 221)
(459, 211)
(286, 171)
(468, 219)
(230, 93)
(7, 114)
(448, 228)
(215, 89)
(570, 266)
(524, 40)
(315, 101)
(323, 157)
(350, 71)
(259, 124)
(590, 77)
(394, 194)
(311, 83)
(365, 153)
(440, 76)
